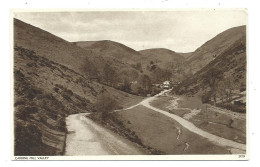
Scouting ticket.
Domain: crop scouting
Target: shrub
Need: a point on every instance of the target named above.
(205, 98)
(233, 107)
(104, 105)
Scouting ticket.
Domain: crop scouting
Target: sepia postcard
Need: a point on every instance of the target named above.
(164, 84)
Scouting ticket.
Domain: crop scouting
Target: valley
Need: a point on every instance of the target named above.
(104, 98)
(170, 136)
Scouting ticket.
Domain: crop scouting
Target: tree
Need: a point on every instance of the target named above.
(228, 83)
(126, 87)
(210, 79)
(109, 75)
(221, 90)
(104, 105)
(161, 75)
(146, 83)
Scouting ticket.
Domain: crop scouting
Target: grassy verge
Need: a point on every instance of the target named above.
(113, 123)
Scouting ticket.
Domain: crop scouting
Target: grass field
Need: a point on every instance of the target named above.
(164, 134)
(208, 120)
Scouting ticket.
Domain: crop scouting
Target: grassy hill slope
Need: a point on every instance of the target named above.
(164, 62)
(110, 49)
(118, 56)
(214, 47)
(51, 47)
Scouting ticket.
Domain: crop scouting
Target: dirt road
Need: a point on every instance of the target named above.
(237, 147)
(85, 137)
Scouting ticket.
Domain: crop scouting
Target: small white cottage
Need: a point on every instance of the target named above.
(166, 84)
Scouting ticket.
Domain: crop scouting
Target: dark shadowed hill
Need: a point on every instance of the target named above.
(222, 79)
(214, 47)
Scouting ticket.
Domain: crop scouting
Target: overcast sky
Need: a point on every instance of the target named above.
(180, 31)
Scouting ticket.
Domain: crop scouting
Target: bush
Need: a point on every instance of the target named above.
(126, 87)
(205, 98)
(104, 105)
(233, 107)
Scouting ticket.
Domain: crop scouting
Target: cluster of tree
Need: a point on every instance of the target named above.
(145, 85)
(176, 70)
(124, 80)
(161, 75)
(220, 87)
(151, 67)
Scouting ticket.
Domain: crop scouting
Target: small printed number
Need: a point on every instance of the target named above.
(241, 156)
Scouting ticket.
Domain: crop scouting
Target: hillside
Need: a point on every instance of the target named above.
(214, 47)
(164, 62)
(118, 56)
(159, 64)
(51, 47)
(49, 86)
(186, 55)
(94, 63)
(164, 58)
(133, 70)
(110, 49)
(223, 79)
